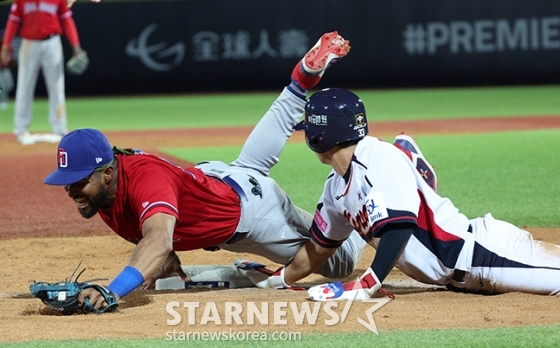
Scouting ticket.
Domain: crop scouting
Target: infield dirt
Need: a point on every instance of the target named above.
(43, 238)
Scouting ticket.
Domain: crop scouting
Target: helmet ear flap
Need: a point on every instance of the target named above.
(315, 141)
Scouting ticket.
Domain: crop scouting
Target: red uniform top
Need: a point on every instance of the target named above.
(41, 19)
(207, 210)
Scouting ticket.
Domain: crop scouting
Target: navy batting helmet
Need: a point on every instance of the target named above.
(333, 116)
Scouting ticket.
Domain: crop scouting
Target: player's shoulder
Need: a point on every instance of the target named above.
(369, 142)
(140, 161)
(372, 141)
(371, 147)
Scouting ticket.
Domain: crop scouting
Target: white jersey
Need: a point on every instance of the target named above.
(382, 187)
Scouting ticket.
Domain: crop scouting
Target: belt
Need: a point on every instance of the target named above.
(237, 236)
(235, 186)
(47, 37)
(459, 275)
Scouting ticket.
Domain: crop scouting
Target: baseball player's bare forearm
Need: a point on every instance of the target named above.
(170, 267)
(155, 246)
(307, 260)
(147, 259)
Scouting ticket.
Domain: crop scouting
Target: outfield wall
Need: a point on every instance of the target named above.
(216, 45)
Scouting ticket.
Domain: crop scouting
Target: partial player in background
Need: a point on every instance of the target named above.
(41, 23)
(6, 81)
(163, 208)
(387, 192)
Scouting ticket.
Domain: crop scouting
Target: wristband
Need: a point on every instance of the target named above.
(281, 276)
(128, 280)
(275, 281)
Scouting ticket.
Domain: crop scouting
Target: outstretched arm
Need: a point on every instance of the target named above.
(171, 267)
(147, 259)
(155, 246)
(391, 245)
(307, 260)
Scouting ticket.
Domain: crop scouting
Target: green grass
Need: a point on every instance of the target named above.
(461, 102)
(158, 112)
(513, 175)
(245, 109)
(533, 336)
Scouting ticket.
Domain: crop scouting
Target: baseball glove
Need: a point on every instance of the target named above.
(63, 296)
(78, 63)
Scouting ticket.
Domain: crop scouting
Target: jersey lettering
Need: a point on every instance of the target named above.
(360, 221)
(376, 208)
(40, 7)
(372, 210)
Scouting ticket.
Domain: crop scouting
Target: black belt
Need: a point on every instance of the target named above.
(459, 275)
(48, 37)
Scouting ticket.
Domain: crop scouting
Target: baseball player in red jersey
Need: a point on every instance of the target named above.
(42, 22)
(387, 192)
(164, 208)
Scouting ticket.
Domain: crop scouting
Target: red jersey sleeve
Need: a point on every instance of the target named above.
(11, 30)
(69, 27)
(16, 11)
(151, 193)
(68, 24)
(12, 26)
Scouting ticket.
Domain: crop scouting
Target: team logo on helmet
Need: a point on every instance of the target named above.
(360, 120)
(360, 124)
(62, 158)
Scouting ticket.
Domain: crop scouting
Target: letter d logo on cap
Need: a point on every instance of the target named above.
(62, 158)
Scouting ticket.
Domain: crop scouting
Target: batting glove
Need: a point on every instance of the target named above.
(261, 276)
(362, 289)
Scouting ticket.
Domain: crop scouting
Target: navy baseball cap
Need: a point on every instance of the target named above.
(79, 153)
